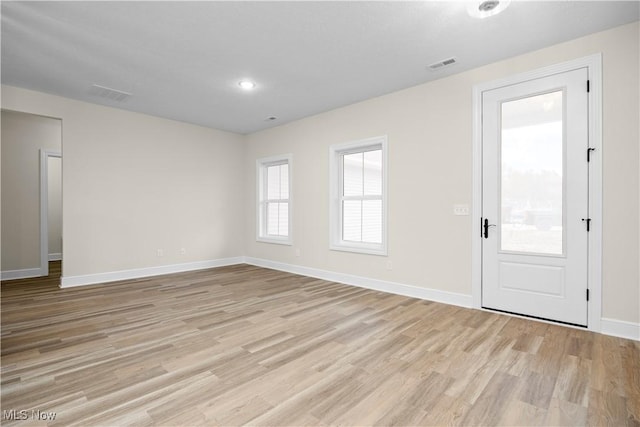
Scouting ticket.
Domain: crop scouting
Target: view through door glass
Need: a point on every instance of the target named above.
(532, 170)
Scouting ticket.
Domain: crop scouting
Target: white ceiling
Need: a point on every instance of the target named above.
(183, 60)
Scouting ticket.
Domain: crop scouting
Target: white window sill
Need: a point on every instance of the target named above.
(275, 240)
(364, 249)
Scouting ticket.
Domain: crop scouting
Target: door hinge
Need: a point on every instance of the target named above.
(589, 150)
(588, 86)
(588, 221)
(587, 294)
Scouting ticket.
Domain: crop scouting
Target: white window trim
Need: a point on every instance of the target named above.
(335, 207)
(261, 165)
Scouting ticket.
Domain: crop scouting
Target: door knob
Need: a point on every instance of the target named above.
(486, 228)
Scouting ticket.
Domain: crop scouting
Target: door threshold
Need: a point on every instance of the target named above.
(577, 325)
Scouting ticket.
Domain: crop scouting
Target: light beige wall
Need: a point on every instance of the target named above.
(134, 183)
(54, 206)
(430, 169)
(23, 135)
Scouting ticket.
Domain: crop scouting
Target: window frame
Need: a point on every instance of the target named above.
(336, 214)
(262, 166)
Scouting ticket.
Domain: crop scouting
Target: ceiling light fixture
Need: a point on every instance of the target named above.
(486, 8)
(246, 84)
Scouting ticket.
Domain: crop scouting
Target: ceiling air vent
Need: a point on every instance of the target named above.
(441, 64)
(108, 93)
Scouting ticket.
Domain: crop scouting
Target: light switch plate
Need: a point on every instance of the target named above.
(461, 209)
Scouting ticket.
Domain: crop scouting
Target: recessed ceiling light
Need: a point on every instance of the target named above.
(488, 5)
(486, 8)
(246, 84)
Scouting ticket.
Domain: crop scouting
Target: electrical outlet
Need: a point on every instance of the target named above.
(389, 265)
(160, 252)
(183, 251)
(461, 209)
(297, 251)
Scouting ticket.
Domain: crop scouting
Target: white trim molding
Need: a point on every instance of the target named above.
(20, 274)
(92, 279)
(593, 64)
(44, 209)
(55, 257)
(336, 151)
(621, 329)
(428, 294)
(261, 199)
(617, 328)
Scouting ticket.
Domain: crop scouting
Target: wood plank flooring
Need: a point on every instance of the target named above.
(246, 345)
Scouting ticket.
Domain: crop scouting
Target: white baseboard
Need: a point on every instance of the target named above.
(368, 283)
(21, 274)
(55, 257)
(92, 279)
(620, 328)
(617, 328)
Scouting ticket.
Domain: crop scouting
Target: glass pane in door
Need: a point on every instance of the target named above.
(532, 166)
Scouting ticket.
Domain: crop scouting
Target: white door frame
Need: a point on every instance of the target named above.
(593, 63)
(44, 208)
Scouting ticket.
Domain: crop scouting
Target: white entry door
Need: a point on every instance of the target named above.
(535, 191)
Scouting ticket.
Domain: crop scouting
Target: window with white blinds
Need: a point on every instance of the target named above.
(274, 199)
(358, 196)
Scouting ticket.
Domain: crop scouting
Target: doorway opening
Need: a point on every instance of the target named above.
(27, 141)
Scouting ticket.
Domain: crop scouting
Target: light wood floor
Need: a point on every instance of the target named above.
(245, 345)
